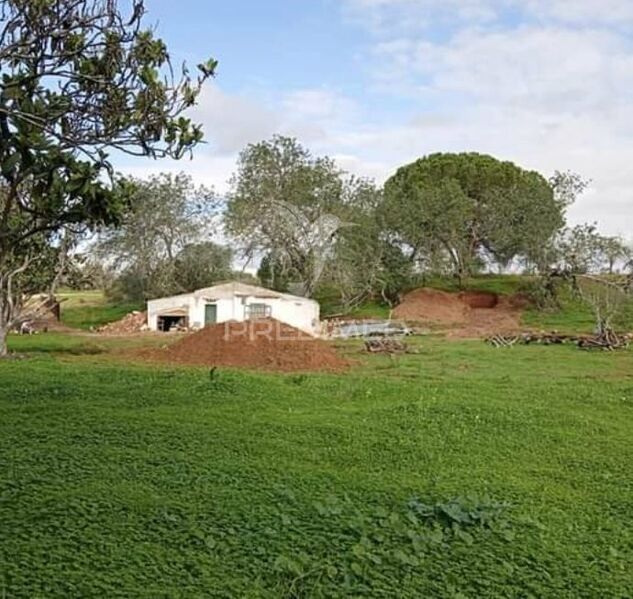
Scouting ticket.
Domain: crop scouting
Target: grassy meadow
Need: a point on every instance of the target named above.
(91, 309)
(459, 471)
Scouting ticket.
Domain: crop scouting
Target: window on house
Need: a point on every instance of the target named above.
(258, 311)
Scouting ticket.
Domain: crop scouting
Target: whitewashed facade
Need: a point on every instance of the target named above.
(232, 301)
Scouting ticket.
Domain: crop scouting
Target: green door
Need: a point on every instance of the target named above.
(210, 314)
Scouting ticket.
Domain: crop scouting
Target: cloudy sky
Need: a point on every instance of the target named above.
(378, 83)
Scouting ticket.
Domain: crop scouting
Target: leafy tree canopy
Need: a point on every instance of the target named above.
(468, 204)
(200, 265)
(79, 79)
(168, 216)
(286, 203)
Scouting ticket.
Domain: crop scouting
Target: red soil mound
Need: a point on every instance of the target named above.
(479, 299)
(466, 314)
(433, 306)
(264, 344)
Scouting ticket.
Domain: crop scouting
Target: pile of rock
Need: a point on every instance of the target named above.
(134, 322)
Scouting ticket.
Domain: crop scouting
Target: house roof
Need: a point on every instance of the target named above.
(184, 311)
(235, 288)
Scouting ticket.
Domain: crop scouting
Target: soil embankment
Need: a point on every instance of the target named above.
(464, 315)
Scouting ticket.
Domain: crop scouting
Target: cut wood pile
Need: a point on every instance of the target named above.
(386, 346)
(134, 322)
(608, 341)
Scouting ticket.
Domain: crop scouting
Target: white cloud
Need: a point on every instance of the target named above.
(317, 117)
(313, 115)
(231, 121)
(612, 12)
(385, 17)
(546, 68)
(205, 168)
(551, 88)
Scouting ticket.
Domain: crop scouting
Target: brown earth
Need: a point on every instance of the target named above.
(261, 345)
(432, 306)
(464, 315)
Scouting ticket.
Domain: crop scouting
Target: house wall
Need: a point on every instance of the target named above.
(297, 312)
(303, 314)
(154, 307)
(225, 310)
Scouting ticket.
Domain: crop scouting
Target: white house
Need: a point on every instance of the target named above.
(232, 301)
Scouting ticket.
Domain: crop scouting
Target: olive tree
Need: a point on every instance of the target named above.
(366, 263)
(148, 247)
(200, 265)
(285, 204)
(607, 297)
(583, 249)
(79, 79)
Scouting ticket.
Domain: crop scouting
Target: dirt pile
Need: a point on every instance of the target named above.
(432, 306)
(263, 345)
(134, 322)
(464, 315)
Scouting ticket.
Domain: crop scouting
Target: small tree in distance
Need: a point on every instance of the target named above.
(154, 247)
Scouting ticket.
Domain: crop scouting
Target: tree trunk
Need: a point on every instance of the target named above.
(462, 271)
(4, 352)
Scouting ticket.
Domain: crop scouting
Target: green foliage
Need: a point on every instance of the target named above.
(467, 205)
(90, 317)
(79, 79)
(274, 275)
(291, 206)
(371, 310)
(582, 249)
(200, 265)
(90, 309)
(501, 284)
(118, 479)
(160, 247)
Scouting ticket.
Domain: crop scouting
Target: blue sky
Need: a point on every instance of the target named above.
(284, 44)
(378, 83)
(271, 46)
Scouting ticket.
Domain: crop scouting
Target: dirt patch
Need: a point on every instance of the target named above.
(470, 314)
(432, 306)
(261, 345)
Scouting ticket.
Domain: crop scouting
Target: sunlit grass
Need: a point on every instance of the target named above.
(121, 479)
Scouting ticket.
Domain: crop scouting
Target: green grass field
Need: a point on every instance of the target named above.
(90, 309)
(461, 472)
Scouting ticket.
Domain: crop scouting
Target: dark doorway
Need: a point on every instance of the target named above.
(171, 323)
